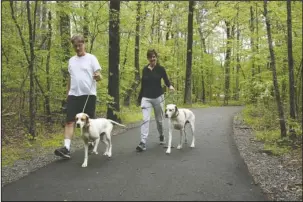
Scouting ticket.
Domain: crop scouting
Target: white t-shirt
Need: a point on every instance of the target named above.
(81, 70)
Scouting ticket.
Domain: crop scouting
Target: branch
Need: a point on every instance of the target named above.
(42, 43)
(40, 87)
(19, 31)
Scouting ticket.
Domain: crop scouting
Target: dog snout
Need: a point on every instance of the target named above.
(166, 116)
(78, 125)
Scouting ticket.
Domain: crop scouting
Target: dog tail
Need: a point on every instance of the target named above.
(117, 123)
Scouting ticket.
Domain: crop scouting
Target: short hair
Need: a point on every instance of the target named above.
(151, 52)
(77, 38)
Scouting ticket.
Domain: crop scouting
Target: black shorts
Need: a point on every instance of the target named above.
(75, 105)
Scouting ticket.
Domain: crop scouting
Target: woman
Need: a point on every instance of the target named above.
(151, 96)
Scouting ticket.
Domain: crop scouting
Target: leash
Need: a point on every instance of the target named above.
(153, 106)
(88, 96)
(158, 103)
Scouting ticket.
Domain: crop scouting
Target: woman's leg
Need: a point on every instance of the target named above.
(158, 105)
(146, 110)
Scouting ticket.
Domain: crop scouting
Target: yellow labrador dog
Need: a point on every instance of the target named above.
(92, 130)
(178, 118)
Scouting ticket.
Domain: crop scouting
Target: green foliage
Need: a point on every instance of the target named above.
(158, 20)
(264, 122)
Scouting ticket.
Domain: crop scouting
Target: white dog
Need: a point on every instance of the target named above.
(178, 118)
(91, 130)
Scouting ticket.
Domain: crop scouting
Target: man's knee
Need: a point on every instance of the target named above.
(69, 123)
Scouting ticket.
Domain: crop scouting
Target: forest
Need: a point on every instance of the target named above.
(216, 53)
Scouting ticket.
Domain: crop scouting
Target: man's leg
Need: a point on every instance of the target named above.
(64, 152)
(72, 110)
(68, 134)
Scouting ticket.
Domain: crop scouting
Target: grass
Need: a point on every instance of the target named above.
(24, 147)
(265, 123)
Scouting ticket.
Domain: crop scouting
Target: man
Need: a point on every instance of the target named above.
(84, 71)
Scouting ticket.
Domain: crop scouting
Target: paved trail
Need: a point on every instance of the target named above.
(211, 171)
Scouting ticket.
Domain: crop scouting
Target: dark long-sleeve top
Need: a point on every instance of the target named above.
(151, 82)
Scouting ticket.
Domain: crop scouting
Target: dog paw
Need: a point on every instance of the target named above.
(109, 155)
(105, 154)
(94, 152)
(168, 151)
(192, 145)
(179, 147)
(84, 165)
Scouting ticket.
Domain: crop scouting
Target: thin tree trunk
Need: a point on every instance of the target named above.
(301, 97)
(86, 22)
(136, 81)
(273, 67)
(238, 56)
(114, 60)
(252, 41)
(48, 82)
(203, 51)
(159, 23)
(169, 23)
(292, 98)
(65, 43)
(258, 41)
(125, 55)
(32, 104)
(227, 62)
(153, 24)
(187, 94)
(299, 92)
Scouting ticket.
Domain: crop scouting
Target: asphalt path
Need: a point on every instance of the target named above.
(213, 170)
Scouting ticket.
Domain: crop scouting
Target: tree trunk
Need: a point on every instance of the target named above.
(203, 51)
(292, 99)
(299, 93)
(258, 41)
(32, 104)
(65, 42)
(114, 60)
(153, 24)
(187, 94)
(86, 22)
(274, 73)
(136, 81)
(238, 56)
(252, 30)
(301, 97)
(125, 55)
(169, 23)
(48, 82)
(227, 63)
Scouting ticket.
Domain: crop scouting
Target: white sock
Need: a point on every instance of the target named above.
(67, 144)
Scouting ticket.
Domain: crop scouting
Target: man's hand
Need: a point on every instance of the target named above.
(97, 76)
(171, 88)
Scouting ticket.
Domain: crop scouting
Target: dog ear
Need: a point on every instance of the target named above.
(87, 120)
(176, 108)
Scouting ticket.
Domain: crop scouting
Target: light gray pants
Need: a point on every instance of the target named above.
(147, 104)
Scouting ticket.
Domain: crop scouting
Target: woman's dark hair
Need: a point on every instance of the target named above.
(151, 52)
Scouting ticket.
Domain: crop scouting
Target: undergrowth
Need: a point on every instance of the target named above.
(264, 120)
